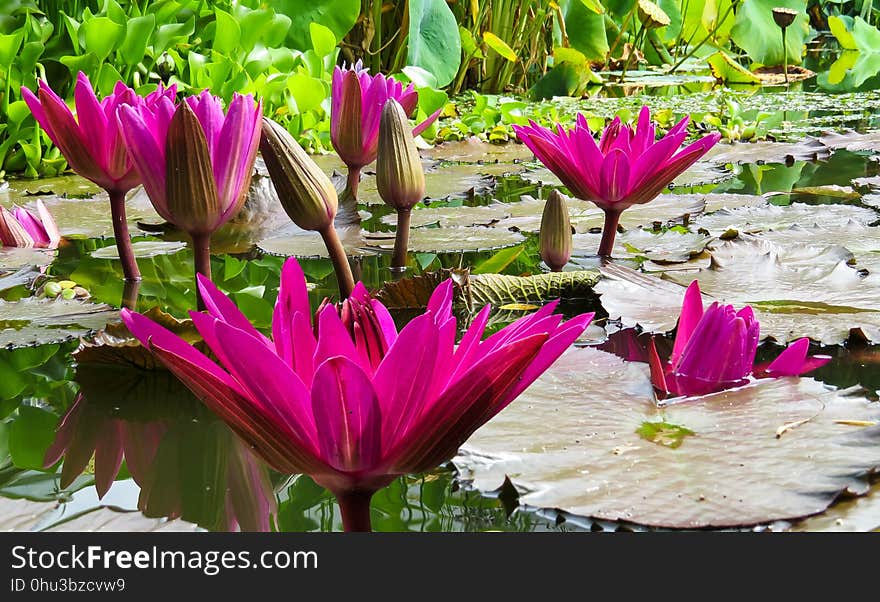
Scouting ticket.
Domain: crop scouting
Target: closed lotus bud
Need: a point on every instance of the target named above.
(399, 174)
(555, 232)
(784, 16)
(306, 193)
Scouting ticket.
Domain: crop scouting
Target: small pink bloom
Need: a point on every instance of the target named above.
(715, 350)
(23, 228)
(357, 99)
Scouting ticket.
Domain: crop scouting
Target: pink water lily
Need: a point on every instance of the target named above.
(23, 228)
(715, 350)
(351, 401)
(93, 146)
(628, 166)
(357, 99)
(196, 161)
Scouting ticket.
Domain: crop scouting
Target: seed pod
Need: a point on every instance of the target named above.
(784, 16)
(306, 193)
(399, 174)
(555, 238)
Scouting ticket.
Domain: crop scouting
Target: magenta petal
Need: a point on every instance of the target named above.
(333, 339)
(426, 123)
(691, 313)
(793, 361)
(347, 416)
(614, 178)
(222, 308)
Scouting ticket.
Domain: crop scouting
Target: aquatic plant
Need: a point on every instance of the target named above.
(555, 239)
(627, 167)
(355, 411)
(93, 146)
(22, 228)
(196, 161)
(715, 350)
(400, 177)
(356, 110)
(306, 193)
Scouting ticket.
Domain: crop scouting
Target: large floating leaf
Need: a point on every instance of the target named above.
(449, 240)
(808, 149)
(454, 216)
(666, 209)
(25, 515)
(42, 321)
(15, 258)
(474, 150)
(775, 449)
(305, 244)
(91, 217)
(772, 217)
(142, 249)
(669, 246)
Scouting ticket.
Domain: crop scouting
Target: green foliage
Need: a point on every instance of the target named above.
(430, 45)
(757, 33)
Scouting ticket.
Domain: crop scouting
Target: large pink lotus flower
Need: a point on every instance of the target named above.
(196, 161)
(93, 146)
(627, 167)
(353, 410)
(357, 100)
(715, 350)
(23, 228)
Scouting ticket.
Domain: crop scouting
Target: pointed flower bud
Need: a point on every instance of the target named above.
(306, 193)
(555, 235)
(399, 174)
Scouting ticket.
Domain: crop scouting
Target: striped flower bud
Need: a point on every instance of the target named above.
(555, 239)
(306, 193)
(399, 174)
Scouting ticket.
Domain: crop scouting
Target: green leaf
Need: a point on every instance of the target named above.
(840, 28)
(137, 34)
(307, 91)
(726, 70)
(108, 77)
(30, 435)
(431, 46)
(498, 261)
(323, 40)
(9, 45)
(338, 15)
(170, 33)
(499, 46)
(594, 5)
(586, 29)
(755, 31)
(227, 34)
(101, 35)
(866, 36)
(87, 63)
(664, 433)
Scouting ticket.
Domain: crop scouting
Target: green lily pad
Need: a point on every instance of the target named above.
(441, 182)
(142, 249)
(771, 450)
(42, 321)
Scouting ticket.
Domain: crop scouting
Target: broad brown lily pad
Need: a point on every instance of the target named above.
(735, 469)
(771, 217)
(296, 242)
(91, 217)
(454, 216)
(449, 240)
(14, 258)
(669, 246)
(808, 149)
(42, 321)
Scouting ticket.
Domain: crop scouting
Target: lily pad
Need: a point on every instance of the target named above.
(669, 246)
(445, 181)
(42, 321)
(304, 244)
(449, 240)
(772, 217)
(853, 141)
(666, 209)
(808, 149)
(474, 150)
(797, 291)
(454, 216)
(142, 249)
(90, 217)
(589, 459)
(698, 174)
(15, 258)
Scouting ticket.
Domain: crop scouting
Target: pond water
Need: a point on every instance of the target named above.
(182, 462)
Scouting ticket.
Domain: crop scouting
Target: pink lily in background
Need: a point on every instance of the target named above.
(357, 100)
(351, 401)
(93, 146)
(196, 161)
(23, 228)
(627, 167)
(715, 350)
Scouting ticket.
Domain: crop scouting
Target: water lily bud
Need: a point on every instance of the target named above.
(784, 16)
(555, 232)
(307, 194)
(399, 174)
